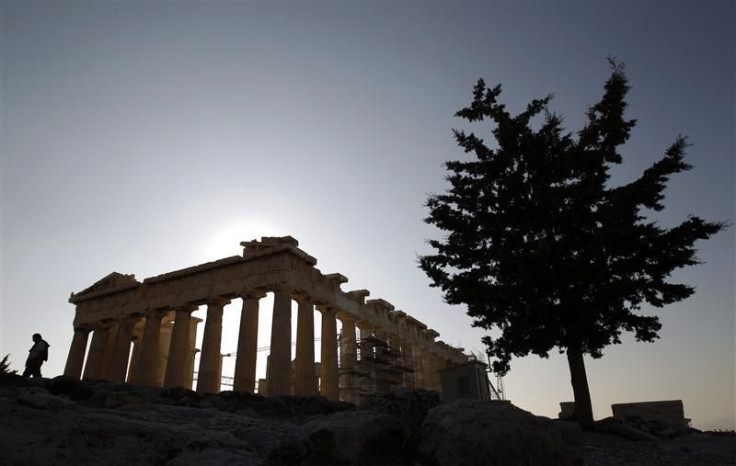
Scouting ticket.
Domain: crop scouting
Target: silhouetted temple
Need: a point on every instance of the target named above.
(389, 349)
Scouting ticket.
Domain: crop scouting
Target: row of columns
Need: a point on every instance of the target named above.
(108, 354)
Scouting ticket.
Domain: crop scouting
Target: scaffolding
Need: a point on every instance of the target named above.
(380, 368)
(498, 392)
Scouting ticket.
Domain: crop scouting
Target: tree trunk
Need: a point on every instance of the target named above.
(583, 407)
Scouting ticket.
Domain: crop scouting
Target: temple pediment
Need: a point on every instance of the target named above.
(110, 282)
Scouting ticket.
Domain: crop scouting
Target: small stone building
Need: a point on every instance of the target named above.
(468, 380)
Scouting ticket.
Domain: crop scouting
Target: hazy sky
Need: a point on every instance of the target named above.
(147, 137)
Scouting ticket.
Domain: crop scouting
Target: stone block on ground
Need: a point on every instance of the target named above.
(567, 410)
(669, 413)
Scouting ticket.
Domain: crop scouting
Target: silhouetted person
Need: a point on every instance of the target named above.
(38, 353)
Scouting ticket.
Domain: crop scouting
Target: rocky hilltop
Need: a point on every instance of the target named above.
(64, 421)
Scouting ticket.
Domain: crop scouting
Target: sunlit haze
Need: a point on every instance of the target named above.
(143, 138)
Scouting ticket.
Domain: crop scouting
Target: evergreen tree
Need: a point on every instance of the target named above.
(5, 366)
(541, 247)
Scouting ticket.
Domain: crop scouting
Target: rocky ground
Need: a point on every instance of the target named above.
(64, 421)
(695, 449)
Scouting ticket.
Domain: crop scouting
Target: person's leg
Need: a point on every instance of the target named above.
(33, 369)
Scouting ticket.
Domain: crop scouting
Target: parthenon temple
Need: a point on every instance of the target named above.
(145, 333)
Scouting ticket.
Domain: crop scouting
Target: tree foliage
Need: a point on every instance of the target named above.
(5, 366)
(539, 245)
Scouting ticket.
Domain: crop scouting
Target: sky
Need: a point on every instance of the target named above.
(146, 137)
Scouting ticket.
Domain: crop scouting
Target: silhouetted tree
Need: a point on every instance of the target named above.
(539, 246)
(5, 366)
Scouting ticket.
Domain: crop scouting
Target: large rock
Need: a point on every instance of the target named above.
(614, 426)
(40, 398)
(38, 431)
(361, 438)
(496, 433)
(70, 386)
(411, 406)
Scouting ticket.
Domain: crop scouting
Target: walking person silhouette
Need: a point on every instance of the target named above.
(38, 353)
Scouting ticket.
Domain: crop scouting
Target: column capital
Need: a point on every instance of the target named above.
(188, 307)
(364, 324)
(346, 317)
(101, 325)
(156, 312)
(129, 318)
(247, 293)
(327, 311)
(303, 299)
(282, 288)
(217, 301)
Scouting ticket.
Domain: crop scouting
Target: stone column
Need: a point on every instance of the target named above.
(279, 362)
(430, 370)
(394, 371)
(407, 360)
(442, 363)
(133, 364)
(305, 381)
(438, 366)
(112, 338)
(329, 386)
(208, 380)
(367, 362)
(366, 334)
(191, 352)
(145, 369)
(348, 356)
(245, 363)
(75, 360)
(176, 365)
(416, 352)
(162, 353)
(380, 364)
(96, 356)
(121, 353)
